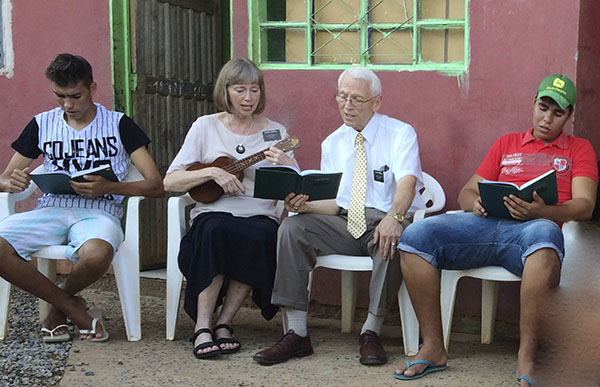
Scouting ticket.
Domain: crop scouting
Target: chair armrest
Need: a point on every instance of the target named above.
(176, 225)
(176, 216)
(419, 214)
(132, 218)
(176, 229)
(9, 199)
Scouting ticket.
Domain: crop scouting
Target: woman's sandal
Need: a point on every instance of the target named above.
(227, 340)
(208, 344)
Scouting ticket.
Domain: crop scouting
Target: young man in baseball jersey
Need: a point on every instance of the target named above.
(76, 136)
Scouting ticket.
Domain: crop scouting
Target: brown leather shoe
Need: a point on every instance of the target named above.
(371, 349)
(289, 346)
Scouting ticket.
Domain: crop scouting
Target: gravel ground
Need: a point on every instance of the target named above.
(24, 359)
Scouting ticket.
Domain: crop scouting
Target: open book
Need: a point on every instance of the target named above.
(277, 181)
(492, 192)
(58, 182)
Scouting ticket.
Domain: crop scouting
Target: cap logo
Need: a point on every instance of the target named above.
(558, 83)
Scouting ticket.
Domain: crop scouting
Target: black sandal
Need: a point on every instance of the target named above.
(227, 340)
(207, 344)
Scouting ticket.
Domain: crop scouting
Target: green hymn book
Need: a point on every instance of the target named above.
(58, 182)
(492, 193)
(277, 181)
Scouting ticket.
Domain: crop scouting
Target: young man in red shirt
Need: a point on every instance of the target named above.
(529, 245)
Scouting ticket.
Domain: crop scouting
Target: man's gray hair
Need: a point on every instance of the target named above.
(366, 74)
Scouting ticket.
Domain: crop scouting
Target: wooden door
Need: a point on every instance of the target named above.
(176, 54)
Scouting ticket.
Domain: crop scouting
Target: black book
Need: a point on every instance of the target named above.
(277, 181)
(58, 182)
(492, 192)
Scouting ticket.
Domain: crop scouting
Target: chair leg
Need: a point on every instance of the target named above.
(5, 287)
(127, 275)
(48, 268)
(409, 322)
(489, 301)
(449, 281)
(174, 282)
(348, 299)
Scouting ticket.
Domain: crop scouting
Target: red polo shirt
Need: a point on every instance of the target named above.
(520, 157)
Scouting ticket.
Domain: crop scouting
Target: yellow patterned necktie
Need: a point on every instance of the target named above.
(357, 224)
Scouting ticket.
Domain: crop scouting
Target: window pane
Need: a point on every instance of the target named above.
(391, 11)
(295, 10)
(442, 45)
(275, 10)
(345, 49)
(275, 40)
(397, 48)
(456, 45)
(443, 9)
(295, 45)
(457, 9)
(336, 11)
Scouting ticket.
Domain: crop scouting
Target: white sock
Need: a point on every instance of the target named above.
(373, 323)
(296, 320)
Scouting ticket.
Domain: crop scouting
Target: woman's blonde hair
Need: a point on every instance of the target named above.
(238, 71)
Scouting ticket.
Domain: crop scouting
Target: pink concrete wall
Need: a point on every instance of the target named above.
(514, 44)
(41, 30)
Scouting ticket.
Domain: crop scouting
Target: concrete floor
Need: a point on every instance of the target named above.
(570, 355)
(154, 361)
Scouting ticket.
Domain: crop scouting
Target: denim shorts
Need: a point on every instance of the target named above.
(28, 232)
(461, 241)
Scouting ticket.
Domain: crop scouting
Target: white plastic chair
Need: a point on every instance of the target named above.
(490, 277)
(177, 227)
(433, 195)
(126, 262)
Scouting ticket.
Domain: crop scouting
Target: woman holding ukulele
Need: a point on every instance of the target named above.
(230, 247)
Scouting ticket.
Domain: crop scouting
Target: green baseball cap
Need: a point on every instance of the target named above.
(560, 88)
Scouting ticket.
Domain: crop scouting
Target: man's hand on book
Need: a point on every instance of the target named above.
(521, 210)
(295, 203)
(478, 209)
(19, 180)
(94, 186)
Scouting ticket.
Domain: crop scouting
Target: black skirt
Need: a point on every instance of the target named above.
(240, 249)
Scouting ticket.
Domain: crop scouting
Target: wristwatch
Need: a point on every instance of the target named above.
(397, 216)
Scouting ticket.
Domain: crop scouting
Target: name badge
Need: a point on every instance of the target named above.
(271, 135)
(378, 173)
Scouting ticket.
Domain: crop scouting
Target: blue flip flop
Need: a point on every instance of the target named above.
(525, 378)
(430, 368)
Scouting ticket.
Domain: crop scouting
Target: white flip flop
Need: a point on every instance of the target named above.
(52, 337)
(97, 319)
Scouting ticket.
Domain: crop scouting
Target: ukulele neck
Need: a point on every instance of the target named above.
(244, 163)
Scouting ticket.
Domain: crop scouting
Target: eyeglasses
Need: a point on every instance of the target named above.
(356, 102)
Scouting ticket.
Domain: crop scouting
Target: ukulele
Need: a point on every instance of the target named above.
(211, 191)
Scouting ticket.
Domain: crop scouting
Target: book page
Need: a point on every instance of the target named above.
(540, 177)
(507, 183)
(283, 167)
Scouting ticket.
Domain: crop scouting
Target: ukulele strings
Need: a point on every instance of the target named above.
(239, 165)
(242, 164)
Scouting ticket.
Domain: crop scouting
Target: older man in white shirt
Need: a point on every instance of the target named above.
(379, 158)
